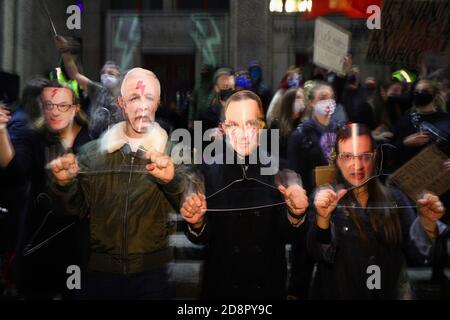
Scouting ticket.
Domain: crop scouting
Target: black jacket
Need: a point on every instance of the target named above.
(343, 258)
(305, 152)
(245, 249)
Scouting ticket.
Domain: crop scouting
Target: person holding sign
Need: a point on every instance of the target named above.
(422, 127)
(311, 144)
(241, 216)
(363, 232)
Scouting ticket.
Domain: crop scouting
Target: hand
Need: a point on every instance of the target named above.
(430, 207)
(416, 139)
(382, 136)
(161, 166)
(347, 64)
(64, 169)
(5, 117)
(446, 164)
(325, 203)
(193, 209)
(296, 199)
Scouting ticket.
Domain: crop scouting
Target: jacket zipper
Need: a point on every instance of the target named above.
(125, 220)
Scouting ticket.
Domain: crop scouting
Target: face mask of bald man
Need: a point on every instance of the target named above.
(140, 94)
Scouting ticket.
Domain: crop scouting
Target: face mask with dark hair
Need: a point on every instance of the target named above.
(422, 99)
(299, 105)
(109, 81)
(294, 81)
(225, 94)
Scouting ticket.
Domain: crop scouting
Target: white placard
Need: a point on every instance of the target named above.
(331, 45)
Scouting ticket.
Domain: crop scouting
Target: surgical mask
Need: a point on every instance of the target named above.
(422, 99)
(325, 107)
(243, 82)
(109, 81)
(225, 94)
(294, 81)
(299, 105)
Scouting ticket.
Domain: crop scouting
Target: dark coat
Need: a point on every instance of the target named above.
(42, 272)
(245, 252)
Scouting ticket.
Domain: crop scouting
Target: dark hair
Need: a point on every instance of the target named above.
(284, 114)
(385, 222)
(112, 64)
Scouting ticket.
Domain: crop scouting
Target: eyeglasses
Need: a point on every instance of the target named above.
(347, 157)
(60, 107)
(252, 125)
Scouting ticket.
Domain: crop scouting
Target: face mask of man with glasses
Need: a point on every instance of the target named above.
(242, 124)
(59, 108)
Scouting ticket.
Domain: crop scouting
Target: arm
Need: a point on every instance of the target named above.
(321, 240)
(6, 148)
(71, 68)
(425, 229)
(193, 211)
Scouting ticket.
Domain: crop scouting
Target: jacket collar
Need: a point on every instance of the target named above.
(115, 138)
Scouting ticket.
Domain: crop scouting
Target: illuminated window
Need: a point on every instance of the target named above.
(276, 6)
(291, 6)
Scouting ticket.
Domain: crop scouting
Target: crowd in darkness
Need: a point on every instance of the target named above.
(86, 179)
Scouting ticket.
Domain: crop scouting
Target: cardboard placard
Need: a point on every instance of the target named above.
(410, 30)
(331, 45)
(325, 175)
(423, 172)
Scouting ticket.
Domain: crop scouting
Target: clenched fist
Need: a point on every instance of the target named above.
(296, 199)
(193, 209)
(325, 203)
(161, 166)
(64, 169)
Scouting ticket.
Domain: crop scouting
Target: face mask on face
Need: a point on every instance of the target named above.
(255, 74)
(109, 81)
(225, 94)
(294, 81)
(422, 99)
(299, 105)
(325, 107)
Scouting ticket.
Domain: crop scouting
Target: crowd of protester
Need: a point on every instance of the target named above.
(86, 179)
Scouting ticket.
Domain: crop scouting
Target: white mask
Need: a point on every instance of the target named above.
(325, 107)
(299, 105)
(109, 81)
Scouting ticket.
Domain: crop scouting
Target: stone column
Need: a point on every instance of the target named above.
(249, 34)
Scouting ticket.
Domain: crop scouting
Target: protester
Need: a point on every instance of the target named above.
(127, 198)
(361, 225)
(245, 256)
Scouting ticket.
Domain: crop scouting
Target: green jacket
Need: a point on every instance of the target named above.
(127, 207)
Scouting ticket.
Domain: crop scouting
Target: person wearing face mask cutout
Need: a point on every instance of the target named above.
(365, 224)
(311, 144)
(410, 134)
(104, 110)
(245, 257)
(62, 126)
(127, 183)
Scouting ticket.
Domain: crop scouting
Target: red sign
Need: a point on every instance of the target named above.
(355, 9)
